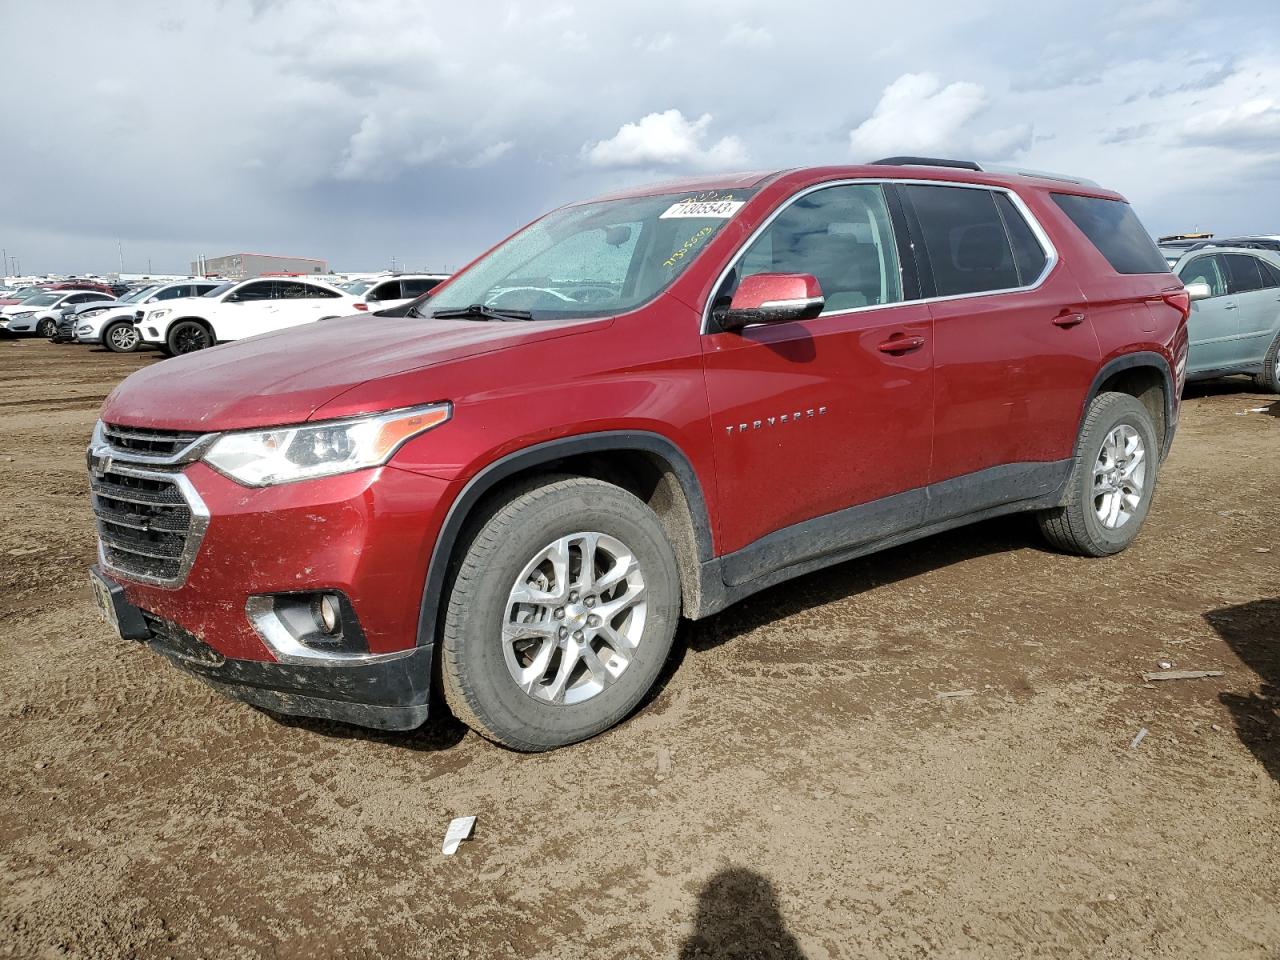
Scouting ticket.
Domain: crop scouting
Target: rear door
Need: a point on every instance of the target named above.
(1253, 286)
(298, 303)
(245, 311)
(385, 295)
(1014, 349)
(1213, 328)
(815, 416)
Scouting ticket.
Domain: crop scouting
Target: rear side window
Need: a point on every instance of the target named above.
(1028, 256)
(965, 239)
(1205, 270)
(1113, 227)
(1243, 275)
(1270, 275)
(417, 286)
(386, 291)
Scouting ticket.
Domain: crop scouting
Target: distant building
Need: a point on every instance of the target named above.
(239, 266)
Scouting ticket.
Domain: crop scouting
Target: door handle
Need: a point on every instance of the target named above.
(1067, 320)
(901, 344)
(1229, 306)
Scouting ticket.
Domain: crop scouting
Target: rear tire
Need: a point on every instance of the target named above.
(121, 337)
(1112, 480)
(188, 336)
(548, 671)
(1269, 378)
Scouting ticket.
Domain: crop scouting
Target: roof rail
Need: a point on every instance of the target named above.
(980, 168)
(926, 162)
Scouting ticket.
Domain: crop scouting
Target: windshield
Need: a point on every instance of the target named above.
(220, 289)
(137, 295)
(29, 292)
(594, 259)
(355, 287)
(45, 299)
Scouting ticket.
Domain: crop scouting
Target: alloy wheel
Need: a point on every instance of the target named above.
(574, 618)
(124, 337)
(1119, 476)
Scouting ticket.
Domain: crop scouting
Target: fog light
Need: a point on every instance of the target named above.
(328, 613)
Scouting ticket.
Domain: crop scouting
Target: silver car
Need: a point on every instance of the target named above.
(1235, 315)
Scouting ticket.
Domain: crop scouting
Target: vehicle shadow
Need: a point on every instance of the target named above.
(1221, 387)
(865, 573)
(738, 917)
(441, 732)
(1252, 630)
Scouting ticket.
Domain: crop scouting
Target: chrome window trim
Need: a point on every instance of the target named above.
(195, 531)
(1042, 237)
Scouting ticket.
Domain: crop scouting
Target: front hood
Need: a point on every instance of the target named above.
(283, 377)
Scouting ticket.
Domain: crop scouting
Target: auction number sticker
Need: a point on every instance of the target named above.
(707, 207)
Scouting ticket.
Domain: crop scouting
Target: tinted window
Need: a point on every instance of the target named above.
(417, 287)
(1028, 256)
(386, 291)
(1243, 274)
(172, 293)
(251, 292)
(1204, 270)
(841, 235)
(1270, 275)
(965, 239)
(200, 289)
(1113, 227)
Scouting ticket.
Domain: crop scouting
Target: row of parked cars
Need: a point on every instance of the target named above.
(192, 314)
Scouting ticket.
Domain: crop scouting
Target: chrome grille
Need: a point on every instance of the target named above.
(149, 522)
(142, 440)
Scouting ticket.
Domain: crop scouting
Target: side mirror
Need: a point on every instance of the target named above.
(1199, 291)
(774, 298)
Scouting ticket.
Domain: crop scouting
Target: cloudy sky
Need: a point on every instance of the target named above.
(361, 130)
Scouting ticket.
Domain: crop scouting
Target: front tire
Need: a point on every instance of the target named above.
(560, 616)
(188, 336)
(1112, 480)
(47, 328)
(1269, 378)
(121, 337)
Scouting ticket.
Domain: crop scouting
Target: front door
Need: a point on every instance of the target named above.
(816, 416)
(246, 311)
(1214, 325)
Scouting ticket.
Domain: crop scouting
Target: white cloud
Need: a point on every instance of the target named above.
(747, 37)
(491, 153)
(666, 139)
(655, 43)
(386, 143)
(918, 115)
(1254, 124)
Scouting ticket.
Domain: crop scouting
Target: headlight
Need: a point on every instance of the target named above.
(158, 314)
(91, 313)
(20, 316)
(261, 458)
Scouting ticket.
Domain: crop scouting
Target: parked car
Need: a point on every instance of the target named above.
(1235, 322)
(240, 308)
(65, 313)
(38, 315)
(99, 285)
(391, 291)
(114, 326)
(638, 408)
(21, 294)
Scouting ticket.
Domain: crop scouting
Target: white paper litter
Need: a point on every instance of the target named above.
(1138, 739)
(459, 829)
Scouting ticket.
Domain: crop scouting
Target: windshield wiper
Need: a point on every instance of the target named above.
(480, 311)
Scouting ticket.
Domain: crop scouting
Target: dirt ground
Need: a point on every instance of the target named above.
(822, 800)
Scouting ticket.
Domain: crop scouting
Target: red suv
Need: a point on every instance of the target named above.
(639, 408)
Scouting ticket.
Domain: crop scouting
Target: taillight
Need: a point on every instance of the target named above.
(365, 306)
(1180, 300)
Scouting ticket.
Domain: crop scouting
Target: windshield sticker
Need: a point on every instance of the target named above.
(711, 205)
(687, 246)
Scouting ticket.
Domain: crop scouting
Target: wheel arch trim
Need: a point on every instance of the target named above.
(542, 454)
(1132, 361)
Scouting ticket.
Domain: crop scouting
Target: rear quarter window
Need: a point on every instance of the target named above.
(1115, 230)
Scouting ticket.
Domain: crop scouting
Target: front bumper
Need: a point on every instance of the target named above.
(386, 692)
(23, 324)
(367, 535)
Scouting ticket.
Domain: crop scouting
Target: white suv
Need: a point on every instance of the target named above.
(392, 290)
(238, 309)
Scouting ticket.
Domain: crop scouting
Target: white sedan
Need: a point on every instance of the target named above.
(38, 314)
(238, 309)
